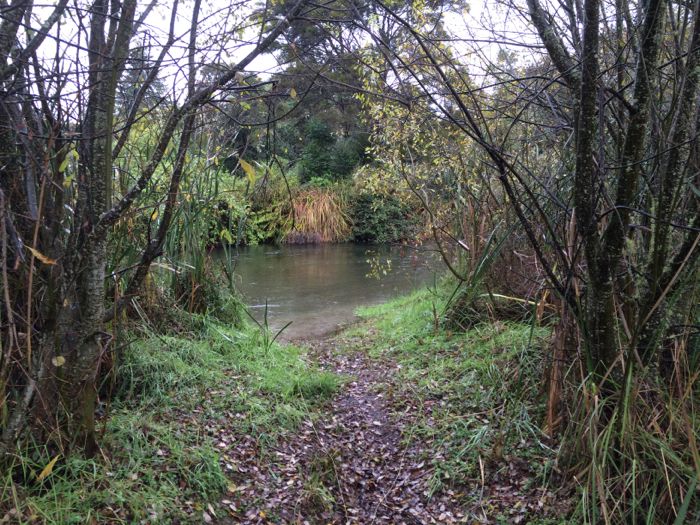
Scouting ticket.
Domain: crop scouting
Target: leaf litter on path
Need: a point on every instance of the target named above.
(354, 463)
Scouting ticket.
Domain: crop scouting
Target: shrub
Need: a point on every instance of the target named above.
(346, 155)
(316, 157)
(380, 219)
(325, 157)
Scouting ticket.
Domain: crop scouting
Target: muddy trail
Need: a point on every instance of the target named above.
(351, 465)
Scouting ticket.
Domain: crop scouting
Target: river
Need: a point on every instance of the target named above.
(318, 287)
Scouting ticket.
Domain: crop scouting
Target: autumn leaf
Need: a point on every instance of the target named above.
(249, 170)
(59, 360)
(293, 93)
(43, 258)
(48, 469)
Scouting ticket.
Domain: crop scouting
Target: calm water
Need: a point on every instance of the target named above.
(318, 288)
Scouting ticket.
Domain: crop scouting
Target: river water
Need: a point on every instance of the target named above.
(319, 287)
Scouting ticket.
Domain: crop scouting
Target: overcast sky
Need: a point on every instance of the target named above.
(225, 34)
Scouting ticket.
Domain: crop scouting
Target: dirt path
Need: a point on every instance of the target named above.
(350, 466)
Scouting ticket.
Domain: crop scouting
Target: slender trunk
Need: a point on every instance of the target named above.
(600, 318)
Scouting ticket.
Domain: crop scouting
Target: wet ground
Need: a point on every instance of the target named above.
(351, 466)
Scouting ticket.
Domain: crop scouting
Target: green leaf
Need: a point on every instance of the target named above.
(683, 511)
(225, 235)
(64, 165)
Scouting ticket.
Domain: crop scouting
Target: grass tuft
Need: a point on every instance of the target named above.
(319, 216)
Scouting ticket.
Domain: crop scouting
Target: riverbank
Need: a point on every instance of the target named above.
(428, 427)
(179, 402)
(390, 421)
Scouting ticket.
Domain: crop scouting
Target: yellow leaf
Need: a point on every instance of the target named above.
(43, 258)
(249, 170)
(293, 93)
(48, 469)
(154, 215)
(59, 360)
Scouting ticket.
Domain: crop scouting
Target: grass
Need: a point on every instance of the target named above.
(318, 213)
(159, 463)
(481, 394)
(475, 400)
(485, 394)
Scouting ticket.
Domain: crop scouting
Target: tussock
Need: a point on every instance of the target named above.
(318, 215)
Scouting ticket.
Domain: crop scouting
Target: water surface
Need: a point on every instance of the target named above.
(318, 288)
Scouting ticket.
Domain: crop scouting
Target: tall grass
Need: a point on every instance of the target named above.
(624, 458)
(318, 215)
(485, 393)
(634, 455)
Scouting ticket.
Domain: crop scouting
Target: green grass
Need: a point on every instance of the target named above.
(486, 392)
(484, 388)
(158, 462)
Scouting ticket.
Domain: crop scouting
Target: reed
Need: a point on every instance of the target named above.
(633, 455)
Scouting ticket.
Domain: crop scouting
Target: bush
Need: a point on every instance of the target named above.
(347, 154)
(380, 219)
(316, 157)
(207, 294)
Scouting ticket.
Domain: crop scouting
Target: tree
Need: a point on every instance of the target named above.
(64, 137)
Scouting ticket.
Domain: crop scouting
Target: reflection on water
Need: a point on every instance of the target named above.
(319, 287)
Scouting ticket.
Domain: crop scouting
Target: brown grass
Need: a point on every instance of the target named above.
(319, 215)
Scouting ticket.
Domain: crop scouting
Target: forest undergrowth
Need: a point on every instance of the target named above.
(396, 419)
(193, 423)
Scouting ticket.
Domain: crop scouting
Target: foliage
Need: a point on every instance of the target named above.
(318, 214)
(610, 227)
(327, 157)
(84, 184)
(316, 157)
(381, 219)
(484, 387)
